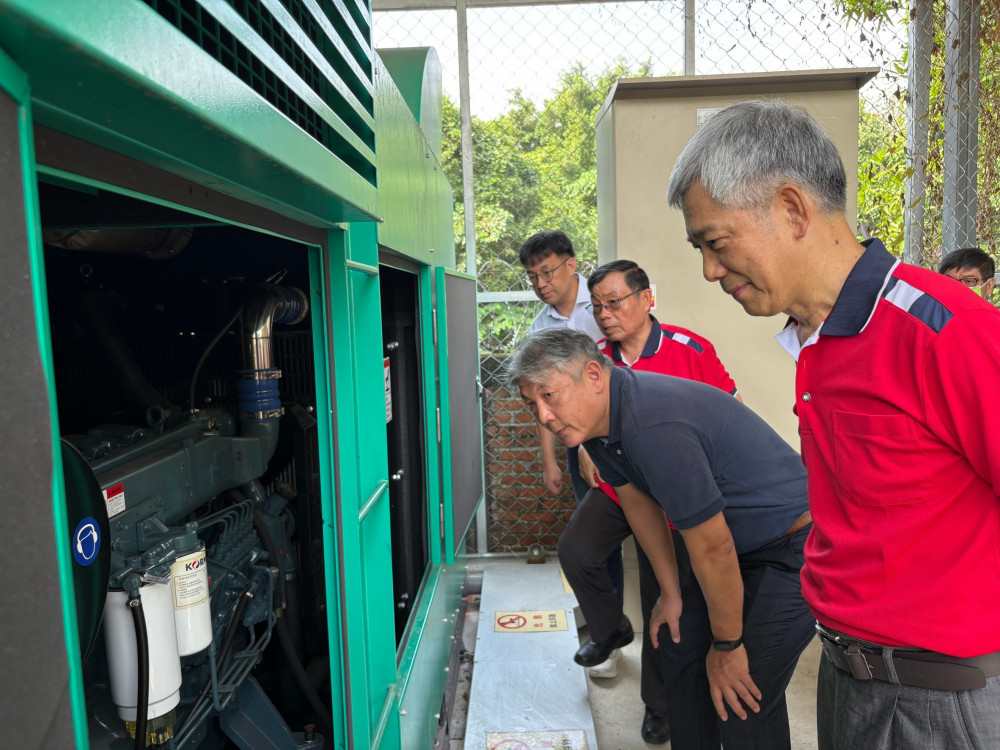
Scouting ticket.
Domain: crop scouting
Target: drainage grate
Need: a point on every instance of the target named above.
(350, 60)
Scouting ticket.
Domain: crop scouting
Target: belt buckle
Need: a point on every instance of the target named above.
(857, 662)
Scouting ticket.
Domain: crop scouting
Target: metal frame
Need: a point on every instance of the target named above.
(16, 83)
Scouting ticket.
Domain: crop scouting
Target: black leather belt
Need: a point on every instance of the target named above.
(906, 666)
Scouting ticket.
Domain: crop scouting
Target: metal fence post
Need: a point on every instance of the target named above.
(921, 34)
(961, 126)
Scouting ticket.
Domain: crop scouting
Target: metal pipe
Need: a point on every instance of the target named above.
(921, 33)
(961, 126)
(465, 111)
(274, 304)
(689, 37)
(258, 397)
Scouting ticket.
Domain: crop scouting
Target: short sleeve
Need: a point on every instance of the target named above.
(711, 369)
(962, 371)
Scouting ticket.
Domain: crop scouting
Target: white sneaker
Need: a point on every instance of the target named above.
(607, 668)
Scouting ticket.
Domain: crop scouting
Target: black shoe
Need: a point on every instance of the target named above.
(655, 729)
(591, 654)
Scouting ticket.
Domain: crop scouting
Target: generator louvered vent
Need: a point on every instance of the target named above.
(330, 52)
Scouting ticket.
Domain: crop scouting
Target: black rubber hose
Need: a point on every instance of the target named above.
(142, 652)
(208, 350)
(227, 643)
(285, 639)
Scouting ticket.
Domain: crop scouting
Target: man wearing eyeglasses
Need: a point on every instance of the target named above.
(972, 267)
(550, 261)
(621, 299)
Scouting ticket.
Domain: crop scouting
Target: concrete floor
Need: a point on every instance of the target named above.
(618, 710)
(616, 706)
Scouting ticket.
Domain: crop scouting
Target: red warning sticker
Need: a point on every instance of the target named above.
(114, 498)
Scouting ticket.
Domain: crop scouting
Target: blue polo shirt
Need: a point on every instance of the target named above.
(697, 451)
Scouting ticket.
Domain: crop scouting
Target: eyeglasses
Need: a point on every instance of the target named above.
(613, 304)
(533, 278)
(972, 281)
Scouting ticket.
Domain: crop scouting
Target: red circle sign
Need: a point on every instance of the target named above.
(511, 622)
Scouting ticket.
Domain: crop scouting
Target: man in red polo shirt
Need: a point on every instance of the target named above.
(621, 298)
(903, 563)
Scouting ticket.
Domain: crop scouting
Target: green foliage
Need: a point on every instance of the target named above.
(882, 175)
(873, 11)
(534, 168)
(882, 154)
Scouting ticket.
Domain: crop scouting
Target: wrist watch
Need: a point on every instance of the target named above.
(727, 645)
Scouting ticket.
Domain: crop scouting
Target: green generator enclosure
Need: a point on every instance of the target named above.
(240, 381)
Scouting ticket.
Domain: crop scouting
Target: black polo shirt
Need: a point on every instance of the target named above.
(697, 451)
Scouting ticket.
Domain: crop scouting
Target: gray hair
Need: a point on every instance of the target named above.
(744, 153)
(560, 349)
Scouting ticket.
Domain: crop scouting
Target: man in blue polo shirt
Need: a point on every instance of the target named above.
(902, 569)
(734, 489)
(621, 299)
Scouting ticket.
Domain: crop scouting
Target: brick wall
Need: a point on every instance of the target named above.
(520, 511)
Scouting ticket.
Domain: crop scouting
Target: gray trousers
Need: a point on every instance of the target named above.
(874, 715)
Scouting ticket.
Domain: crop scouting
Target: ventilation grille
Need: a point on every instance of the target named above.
(337, 66)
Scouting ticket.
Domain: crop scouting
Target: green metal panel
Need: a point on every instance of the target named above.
(417, 74)
(432, 434)
(416, 197)
(15, 83)
(322, 361)
(95, 74)
(447, 494)
(423, 668)
(362, 502)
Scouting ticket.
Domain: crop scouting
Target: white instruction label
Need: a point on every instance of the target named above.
(388, 391)
(114, 498)
(573, 739)
(190, 580)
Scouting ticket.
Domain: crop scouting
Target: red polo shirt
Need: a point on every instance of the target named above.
(671, 350)
(902, 448)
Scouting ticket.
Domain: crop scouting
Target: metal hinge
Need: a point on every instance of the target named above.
(434, 323)
(438, 413)
(441, 514)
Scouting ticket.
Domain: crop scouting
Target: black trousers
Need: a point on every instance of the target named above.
(596, 531)
(777, 626)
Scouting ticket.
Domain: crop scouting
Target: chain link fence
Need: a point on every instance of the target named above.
(539, 73)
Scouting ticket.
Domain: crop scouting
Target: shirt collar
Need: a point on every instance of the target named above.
(651, 347)
(861, 291)
(582, 298)
(855, 304)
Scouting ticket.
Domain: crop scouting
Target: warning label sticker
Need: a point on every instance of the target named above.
(114, 498)
(529, 622)
(574, 739)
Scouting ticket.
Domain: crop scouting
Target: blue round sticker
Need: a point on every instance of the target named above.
(86, 541)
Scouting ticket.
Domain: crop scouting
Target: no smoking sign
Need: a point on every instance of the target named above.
(530, 622)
